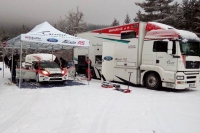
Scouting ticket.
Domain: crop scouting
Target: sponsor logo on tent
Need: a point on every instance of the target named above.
(52, 40)
(69, 42)
(81, 42)
(33, 38)
(108, 58)
(43, 32)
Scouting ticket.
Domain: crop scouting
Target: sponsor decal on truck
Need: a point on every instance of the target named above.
(108, 58)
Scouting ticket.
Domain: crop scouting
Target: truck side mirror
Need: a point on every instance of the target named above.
(169, 47)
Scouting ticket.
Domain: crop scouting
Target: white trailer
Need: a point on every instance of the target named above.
(110, 34)
(164, 57)
(135, 48)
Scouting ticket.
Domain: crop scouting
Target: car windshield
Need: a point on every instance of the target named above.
(190, 48)
(47, 64)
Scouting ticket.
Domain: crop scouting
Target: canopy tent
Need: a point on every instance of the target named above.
(45, 36)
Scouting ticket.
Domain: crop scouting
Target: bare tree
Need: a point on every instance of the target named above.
(73, 23)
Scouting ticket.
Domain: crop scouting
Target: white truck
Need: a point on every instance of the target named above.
(40, 67)
(157, 54)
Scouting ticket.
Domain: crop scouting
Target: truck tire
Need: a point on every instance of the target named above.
(152, 81)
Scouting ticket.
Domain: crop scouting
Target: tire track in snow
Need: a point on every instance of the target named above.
(154, 110)
(18, 114)
(70, 116)
(101, 119)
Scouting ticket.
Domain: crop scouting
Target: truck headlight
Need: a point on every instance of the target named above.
(180, 77)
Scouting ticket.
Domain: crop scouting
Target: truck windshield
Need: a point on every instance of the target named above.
(48, 65)
(190, 48)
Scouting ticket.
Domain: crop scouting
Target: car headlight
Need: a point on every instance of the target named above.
(45, 72)
(180, 77)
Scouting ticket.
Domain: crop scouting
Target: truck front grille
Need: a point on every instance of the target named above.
(190, 82)
(191, 77)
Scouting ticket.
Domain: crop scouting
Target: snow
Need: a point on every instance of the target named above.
(81, 108)
(188, 35)
(184, 40)
(163, 26)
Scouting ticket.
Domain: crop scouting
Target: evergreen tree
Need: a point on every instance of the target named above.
(24, 29)
(115, 22)
(176, 19)
(55, 26)
(4, 36)
(127, 19)
(139, 16)
(191, 13)
(154, 10)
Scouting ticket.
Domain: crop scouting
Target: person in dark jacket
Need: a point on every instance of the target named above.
(63, 62)
(6, 60)
(57, 61)
(13, 69)
(88, 68)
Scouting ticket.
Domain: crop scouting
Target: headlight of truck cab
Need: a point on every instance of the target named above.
(180, 77)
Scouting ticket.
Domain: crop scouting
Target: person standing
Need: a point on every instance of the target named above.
(88, 70)
(6, 60)
(63, 62)
(57, 61)
(13, 68)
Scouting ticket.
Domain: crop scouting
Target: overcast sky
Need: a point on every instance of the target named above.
(33, 12)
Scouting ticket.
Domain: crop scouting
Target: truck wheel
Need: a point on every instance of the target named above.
(152, 81)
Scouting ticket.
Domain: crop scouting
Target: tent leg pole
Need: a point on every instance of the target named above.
(52, 52)
(12, 64)
(20, 74)
(3, 61)
(88, 68)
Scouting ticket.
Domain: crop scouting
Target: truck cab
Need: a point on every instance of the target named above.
(172, 62)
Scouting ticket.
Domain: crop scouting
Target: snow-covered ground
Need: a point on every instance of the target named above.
(82, 108)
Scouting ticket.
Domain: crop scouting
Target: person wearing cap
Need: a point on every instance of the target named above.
(88, 70)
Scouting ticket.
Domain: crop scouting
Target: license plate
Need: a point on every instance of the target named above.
(192, 85)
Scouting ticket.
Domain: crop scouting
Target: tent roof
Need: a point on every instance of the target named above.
(45, 36)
